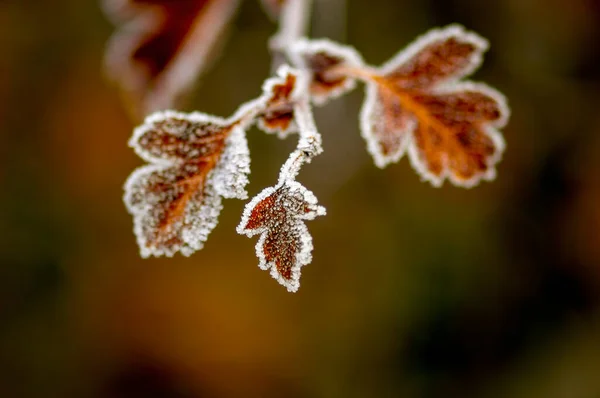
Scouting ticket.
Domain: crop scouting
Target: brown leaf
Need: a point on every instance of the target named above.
(166, 201)
(197, 159)
(162, 46)
(437, 57)
(321, 58)
(278, 215)
(450, 128)
(279, 113)
(389, 124)
(281, 94)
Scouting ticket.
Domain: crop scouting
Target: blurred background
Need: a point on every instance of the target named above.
(413, 291)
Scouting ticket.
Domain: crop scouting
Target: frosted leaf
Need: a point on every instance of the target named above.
(321, 57)
(461, 141)
(161, 46)
(174, 208)
(385, 125)
(177, 136)
(449, 127)
(281, 93)
(197, 160)
(278, 215)
(439, 56)
(233, 168)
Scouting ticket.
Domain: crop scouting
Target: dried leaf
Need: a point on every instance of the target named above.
(321, 57)
(162, 46)
(385, 125)
(449, 127)
(278, 215)
(439, 56)
(281, 93)
(196, 159)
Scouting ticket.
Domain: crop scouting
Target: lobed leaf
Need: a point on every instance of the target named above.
(320, 58)
(439, 56)
(278, 215)
(450, 128)
(196, 161)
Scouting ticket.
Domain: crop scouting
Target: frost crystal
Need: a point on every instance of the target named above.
(197, 160)
(416, 102)
(294, 18)
(280, 94)
(278, 215)
(321, 57)
(439, 56)
(385, 125)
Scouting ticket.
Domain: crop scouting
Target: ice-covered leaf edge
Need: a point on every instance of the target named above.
(299, 92)
(228, 179)
(304, 256)
(305, 45)
(438, 34)
(491, 129)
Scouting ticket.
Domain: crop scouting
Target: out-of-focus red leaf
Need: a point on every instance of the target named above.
(161, 47)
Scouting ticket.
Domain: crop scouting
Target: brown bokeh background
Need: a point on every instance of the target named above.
(413, 291)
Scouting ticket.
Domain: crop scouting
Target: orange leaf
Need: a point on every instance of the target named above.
(417, 103)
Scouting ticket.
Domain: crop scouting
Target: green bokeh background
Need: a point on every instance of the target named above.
(413, 291)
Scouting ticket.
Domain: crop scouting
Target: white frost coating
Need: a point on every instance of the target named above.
(372, 111)
(198, 220)
(294, 20)
(309, 146)
(247, 112)
(300, 88)
(490, 128)
(163, 116)
(304, 255)
(299, 92)
(227, 180)
(187, 63)
(304, 48)
(230, 175)
(310, 139)
(372, 107)
(436, 35)
(462, 86)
